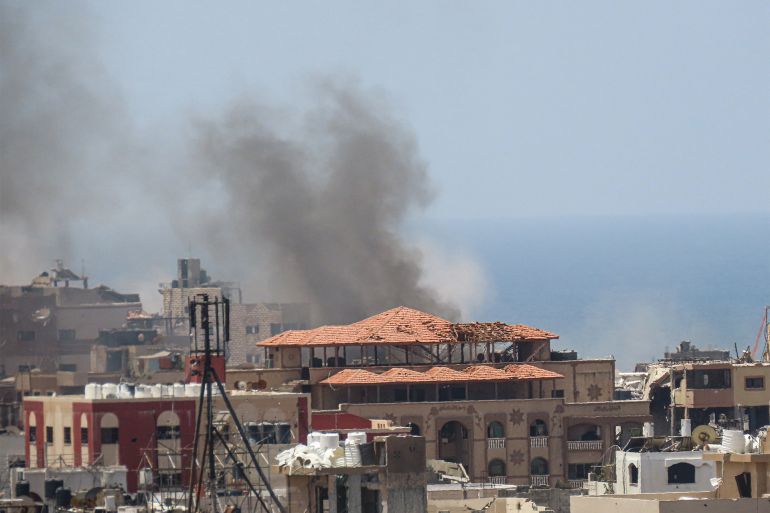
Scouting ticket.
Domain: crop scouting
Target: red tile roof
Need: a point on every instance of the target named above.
(473, 373)
(526, 371)
(404, 326)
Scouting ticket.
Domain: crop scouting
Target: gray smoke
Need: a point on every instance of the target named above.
(54, 124)
(319, 204)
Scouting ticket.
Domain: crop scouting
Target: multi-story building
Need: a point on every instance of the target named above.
(492, 396)
(710, 393)
(252, 323)
(51, 322)
(154, 433)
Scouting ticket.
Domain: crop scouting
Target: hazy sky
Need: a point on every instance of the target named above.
(520, 108)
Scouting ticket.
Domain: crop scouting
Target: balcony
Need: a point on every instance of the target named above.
(495, 443)
(576, 483)
(538, 441)
(496, 480)
(539, 480)
(585, 445)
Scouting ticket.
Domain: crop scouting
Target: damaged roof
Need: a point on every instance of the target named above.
(403, 326)
(473, 373)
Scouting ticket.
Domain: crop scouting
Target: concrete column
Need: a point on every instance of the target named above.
(332, 493)
(354, 493)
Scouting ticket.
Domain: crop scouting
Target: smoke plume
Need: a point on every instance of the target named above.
(321, 199)
(54, 124)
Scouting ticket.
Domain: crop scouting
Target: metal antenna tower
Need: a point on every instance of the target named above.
(210, 324)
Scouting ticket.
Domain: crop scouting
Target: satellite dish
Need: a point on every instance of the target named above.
(704, 434)
(241, 385)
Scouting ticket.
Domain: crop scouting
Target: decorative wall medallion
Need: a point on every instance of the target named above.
(516, 417)
(594, 392)
(516, 457)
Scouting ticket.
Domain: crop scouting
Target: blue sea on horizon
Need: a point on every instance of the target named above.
(629, 287)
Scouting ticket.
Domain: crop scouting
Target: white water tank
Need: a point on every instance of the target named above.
(192, 389)
(686, 427)
(179, 390)
(733, 441)
(110, 391)
(93, 391)
(329, 440)
(357, 437)
(141, 392)
(352, 453)
(155, 391)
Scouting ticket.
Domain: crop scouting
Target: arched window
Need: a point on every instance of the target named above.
(633, 474)
(414, 429)
(496, 468)
(109, 429)
(681, 473)
(538, 467)
(495, 430)
(538, 428)
(167, 426)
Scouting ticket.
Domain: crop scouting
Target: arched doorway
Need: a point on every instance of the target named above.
(454, 444)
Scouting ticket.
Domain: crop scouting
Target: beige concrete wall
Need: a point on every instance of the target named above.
(516, 416)
(750, 397)
(666, 503)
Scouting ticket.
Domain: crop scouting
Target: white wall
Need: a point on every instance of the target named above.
(653, 472)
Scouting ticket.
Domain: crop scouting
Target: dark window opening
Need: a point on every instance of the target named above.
(67, 335)
(538, 428)
(32, 434)
(681, 473)
(67, 435)
(252, 330)
(496, 468)
(109, 435)
(557, 393)
(25, 336)
(717, 378)
(579, 471)
(83, 435)
(167, 432)
(633, 474)
(757, 383)
(49, 434)
(495, 430)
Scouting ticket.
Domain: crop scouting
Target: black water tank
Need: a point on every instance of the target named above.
(63, 498)
(22, 489)
(51, 485)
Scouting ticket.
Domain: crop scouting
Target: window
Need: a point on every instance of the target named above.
(167, 432)
(253, 329)
(496, 468)
(83, 435)
(414, 429)
(681, 473)
(539, 467)
(49, 434)
(557, 393)
(538, 428)
(32, 434)
(495, 430)
(66, 335)
(275, 328)
(67, 435)
(579, 471)
(170, 478)
(25, 336)
(755, 383)
(715, 378)
(633, 474)
(109, 435)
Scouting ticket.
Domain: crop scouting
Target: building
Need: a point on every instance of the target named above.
(52, 322)
(655, 465)
(495, 397)
(719, 392)
(252, 323)
(686, 351)
(394, 480)
(154, 433)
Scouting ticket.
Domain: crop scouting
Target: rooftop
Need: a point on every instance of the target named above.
(473, 373)
(405, 326)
